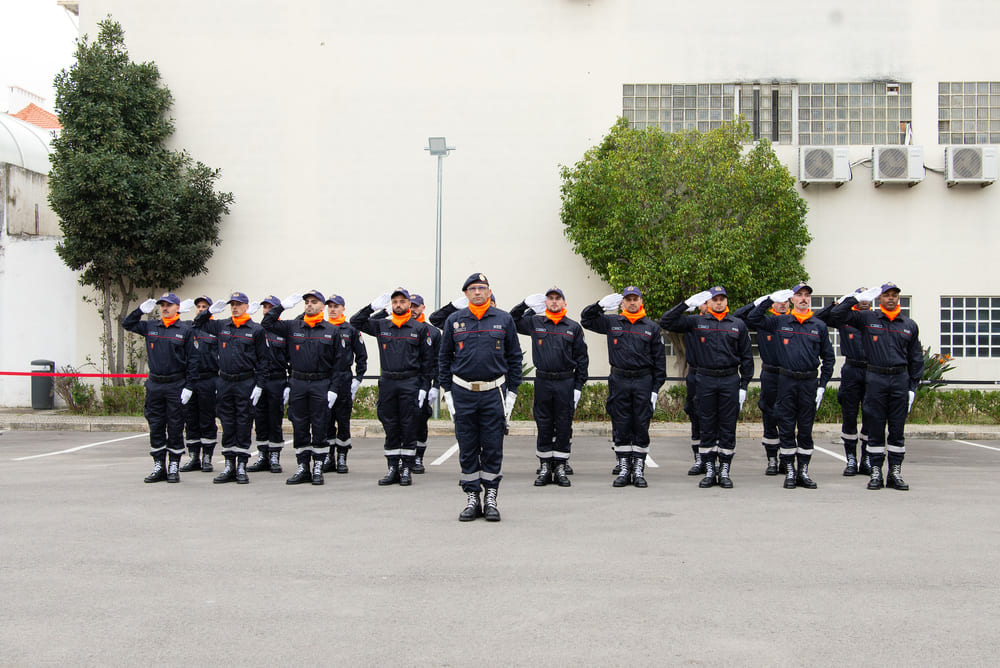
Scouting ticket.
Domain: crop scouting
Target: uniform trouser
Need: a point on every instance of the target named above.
(631, 408)
(718, 408)
(236, 415)
(886, 400)
(479, 426)
(309, 412)
(768, 397)
(338, 429)
(553, 413)
(269, 414)
(199, 415)
(850, 394)
(397, 411)
(163, 411)
(796, 408)
(691, 408)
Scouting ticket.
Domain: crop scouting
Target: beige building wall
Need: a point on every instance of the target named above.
(317, 113)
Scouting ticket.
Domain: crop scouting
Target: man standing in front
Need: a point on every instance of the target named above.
(638, 369)
(895, 367)
(480, 371)
(270, 410)
(803, 345)
(173, 373)
(352, 351)
(559, 354)
(199, 412)
(722, 355)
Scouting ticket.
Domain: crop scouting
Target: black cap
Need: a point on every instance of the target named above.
(315, 293)
(400, 291)
(475, 279)
(802, 286)
(416, 299)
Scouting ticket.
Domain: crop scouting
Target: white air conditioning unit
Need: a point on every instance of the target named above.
(897, 164)
(970, 164)
(824, 164)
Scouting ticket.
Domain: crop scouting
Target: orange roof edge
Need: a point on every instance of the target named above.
(38, 117)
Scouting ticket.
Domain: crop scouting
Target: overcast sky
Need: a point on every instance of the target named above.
(36, 41)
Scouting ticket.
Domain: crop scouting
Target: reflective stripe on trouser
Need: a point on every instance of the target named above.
(397, 411)
(163, 412)
(886, 399)
(850, 394)
(630, 407)
(235, 414)
(479, 425)
(719, 408)
(338, 427)
(269, 414)
(309, 412)
(199, 413)
(768, 397)
(553, 413)
(691, 383)
(796, 412)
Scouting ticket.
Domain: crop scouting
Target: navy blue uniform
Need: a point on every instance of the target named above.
(851, 392)
(767, 346)
(352, 353)
(199, 412)
(559, 354)
(407, 368)
(312, 357)
(895, 366)
(271, 406)
(173, 366)
(803, 345)
(476, 354)
(638, 368)
(721, 352)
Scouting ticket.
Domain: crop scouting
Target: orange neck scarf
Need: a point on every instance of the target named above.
(719, 316)
(240, 320)
(555, 317)
(773, 312)
(339, 320)
(479, 311)
(633, 317)
(891, 314)
(169, 321)
(420, 318)
(400, 320)
(802, 317)
(312, 320)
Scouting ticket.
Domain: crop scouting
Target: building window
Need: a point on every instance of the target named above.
(969, 112)
(821, 301)
(970, 326)
(676, 107)
(837, 114)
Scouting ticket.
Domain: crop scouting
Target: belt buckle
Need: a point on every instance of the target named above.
(476, 385)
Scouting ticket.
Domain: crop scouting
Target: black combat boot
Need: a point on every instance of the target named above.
(544, 474)
(789, 465)
(159, 473)
(194, 464)
(569, 469)
(173, 469)
(803, 479)
(241, 471)
(342, 459)
(228, 473)
(206, 459)
(391, 476)
(490, 510)
(329, 461)
(624, 478)
(894, 479)
(772, 466)
(262, 462)
(699, 465)
(302, 474)
(418, 460)
(405, 474)
(275, 457)
(876, 479)
(317, 473)
(709, 479)
(473, 508)
(559, 475)
(638, 469)
(725, 482)
(851, 469)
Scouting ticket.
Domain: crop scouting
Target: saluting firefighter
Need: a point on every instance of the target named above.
(404, 349)
(895, 366)
(480, 371)
(270, 409)
(803, 346)
(767, 345)
(242, 377)
(638, 370)
(199, 412)
(352, 351)
(173, 374)
(312, 356)
(721, 350)
(851, 392)
(559, 354)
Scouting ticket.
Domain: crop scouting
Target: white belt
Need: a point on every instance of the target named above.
(479, 385)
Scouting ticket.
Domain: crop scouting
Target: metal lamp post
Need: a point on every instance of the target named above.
(438, 146)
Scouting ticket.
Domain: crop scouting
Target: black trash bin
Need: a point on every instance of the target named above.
(42, 386)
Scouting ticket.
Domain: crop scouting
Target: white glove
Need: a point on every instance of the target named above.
(868, 295)
(291, 300)
(576, 398)
(432, 396)
(284, 395)
(381, 301)
(909, 403)
(186, 396)
(255, 395)
(508, 407)
(611, 302)
(653, 399)
(421, 398)
(819, 396)
(185, 306)
(760, 300)
(849, 294)
(147, 306)
(331, 397)
(460, 303)
(253, 308)
(218, 306)
(694, 301)
(781, 295)
(743, 397)
(536, 302)
(451, 404)
(355, 384)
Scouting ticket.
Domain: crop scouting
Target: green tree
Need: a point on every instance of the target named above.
(676, 213)
(135, 216)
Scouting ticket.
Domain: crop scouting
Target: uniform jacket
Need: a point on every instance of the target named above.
(169, 350)
(400, 349)
(887, 343)
(352, 351)
(802, 346)
(718, 344)
(554, 347)
(241, 349)
(312, 350)
(631, 346)
(767, 342)
(850, 337)
(475, 349)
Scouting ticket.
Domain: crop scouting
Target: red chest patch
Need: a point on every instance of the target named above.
(296, 346)
(539, 341)
(461, 344)
(615, 341)
(223, 344)
(874, 338)
(703, 339)
(768, 337)
(785, 341)
(850, 336)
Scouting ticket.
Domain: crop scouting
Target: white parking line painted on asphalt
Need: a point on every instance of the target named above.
(650, 463)
(447, 453)
(988, 447)
(833, 454)
(79, 447)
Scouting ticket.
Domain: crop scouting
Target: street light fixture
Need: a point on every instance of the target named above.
(438, 146)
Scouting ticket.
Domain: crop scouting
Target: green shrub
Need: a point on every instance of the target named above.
(123, 400)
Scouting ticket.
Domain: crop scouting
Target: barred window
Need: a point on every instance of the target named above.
(852, 113)
(969, 112)
(970, 326)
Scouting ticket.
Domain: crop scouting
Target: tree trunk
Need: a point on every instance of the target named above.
(677, 339)
(124, 299)
(108, 338)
